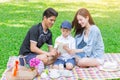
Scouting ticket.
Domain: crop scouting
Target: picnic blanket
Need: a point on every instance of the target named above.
(92, 73)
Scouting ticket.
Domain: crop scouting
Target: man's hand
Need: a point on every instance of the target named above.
(53, 55)
(43, 57)
(54, 52)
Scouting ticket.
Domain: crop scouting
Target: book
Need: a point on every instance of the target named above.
(61, 49)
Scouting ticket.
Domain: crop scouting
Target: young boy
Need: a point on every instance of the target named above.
(66, 58)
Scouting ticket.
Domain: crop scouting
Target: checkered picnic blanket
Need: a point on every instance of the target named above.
(92, 73)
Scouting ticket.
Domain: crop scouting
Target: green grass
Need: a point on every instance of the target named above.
(17, 17)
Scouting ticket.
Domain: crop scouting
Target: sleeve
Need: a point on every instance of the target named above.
(33, 34)
(56, 43)
(91, 42)
(99, 47)
(73, 46)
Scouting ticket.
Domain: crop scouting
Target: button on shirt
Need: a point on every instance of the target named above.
(70, 41)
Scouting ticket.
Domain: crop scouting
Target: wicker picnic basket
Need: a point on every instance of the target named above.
(22, 74)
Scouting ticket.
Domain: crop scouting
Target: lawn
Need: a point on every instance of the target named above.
(16, 17)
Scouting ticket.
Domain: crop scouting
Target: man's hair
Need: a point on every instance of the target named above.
(50, 12)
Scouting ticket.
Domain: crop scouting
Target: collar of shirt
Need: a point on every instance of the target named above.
(66, 37)
(41, 29)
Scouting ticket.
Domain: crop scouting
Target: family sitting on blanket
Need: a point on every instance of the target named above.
(88, 40)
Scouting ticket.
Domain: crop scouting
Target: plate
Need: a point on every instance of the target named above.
(110, 69)
(66, 73)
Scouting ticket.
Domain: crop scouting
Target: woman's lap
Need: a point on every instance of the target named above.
(83, 60)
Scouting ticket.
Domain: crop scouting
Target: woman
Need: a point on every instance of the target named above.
(89, 42)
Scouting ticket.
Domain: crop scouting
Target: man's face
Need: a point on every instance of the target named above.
(49, 21)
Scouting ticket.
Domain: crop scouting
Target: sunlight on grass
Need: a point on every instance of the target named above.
(20, 11)
(12, 25)
(16, 25)
(100, 15)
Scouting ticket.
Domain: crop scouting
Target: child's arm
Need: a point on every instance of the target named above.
(70, 51)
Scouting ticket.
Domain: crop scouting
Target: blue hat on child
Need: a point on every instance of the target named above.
(66, 25)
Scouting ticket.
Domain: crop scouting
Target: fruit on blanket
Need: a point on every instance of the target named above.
(44, 75)
(46, 71)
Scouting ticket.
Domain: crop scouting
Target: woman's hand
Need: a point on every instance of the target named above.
(72, 51)
(65, 47)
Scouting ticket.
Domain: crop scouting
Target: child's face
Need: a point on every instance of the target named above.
(65, 32)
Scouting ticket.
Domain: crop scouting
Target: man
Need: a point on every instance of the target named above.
(37, 36)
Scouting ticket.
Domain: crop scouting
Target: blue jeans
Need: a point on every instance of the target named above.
(59, 61)
(81, 55)
(27, 58)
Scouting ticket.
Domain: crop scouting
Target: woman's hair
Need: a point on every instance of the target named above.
(77, 27)
(50, 12)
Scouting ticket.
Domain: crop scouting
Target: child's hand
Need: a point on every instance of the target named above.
(70, 51)
(65, 47)
(58, 53)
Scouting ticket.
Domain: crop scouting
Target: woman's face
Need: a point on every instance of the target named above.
(82, 20)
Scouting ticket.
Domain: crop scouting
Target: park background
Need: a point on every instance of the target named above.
(17, 16)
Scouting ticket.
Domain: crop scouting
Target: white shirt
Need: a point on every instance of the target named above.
(70, 41)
